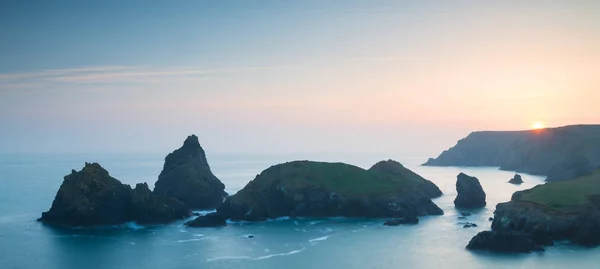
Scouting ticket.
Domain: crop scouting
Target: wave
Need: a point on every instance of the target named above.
(322, 238)
(256, 258)
(190, 240)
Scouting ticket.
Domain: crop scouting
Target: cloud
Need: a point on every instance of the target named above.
(112, 74)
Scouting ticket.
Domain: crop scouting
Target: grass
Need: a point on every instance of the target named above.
(338, 177)
(565, 196)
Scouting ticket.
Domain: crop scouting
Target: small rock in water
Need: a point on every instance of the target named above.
(465, 214)
(250, 236)
(469, 225)
(491, 219)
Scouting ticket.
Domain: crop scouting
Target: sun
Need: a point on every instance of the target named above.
(538, 125)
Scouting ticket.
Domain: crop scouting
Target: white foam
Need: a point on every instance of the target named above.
(257, 258)
(323, 238)
(189, 240)
(315, 222)
(198, 235)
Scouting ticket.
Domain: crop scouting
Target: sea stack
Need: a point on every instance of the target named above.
(516, 180)
(186, 176)
(470, 192)
(91, 197)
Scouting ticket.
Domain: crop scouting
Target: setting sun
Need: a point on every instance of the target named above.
(538, 125)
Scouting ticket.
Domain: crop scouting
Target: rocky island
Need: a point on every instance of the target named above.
(470, 192)
(320, 189)
(91, 197)
(565, 210)
(559, 153)
(187, 177)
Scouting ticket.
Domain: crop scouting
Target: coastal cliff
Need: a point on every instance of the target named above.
(566, 210)
(319, 189)
(559, 153)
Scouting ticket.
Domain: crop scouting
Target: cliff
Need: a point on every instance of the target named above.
(559, 153)
(565, 210)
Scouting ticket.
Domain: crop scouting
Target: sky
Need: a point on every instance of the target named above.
(402, 77)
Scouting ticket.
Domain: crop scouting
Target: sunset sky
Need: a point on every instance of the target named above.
(406, 77)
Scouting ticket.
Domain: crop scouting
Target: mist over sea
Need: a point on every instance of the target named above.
(29, 182)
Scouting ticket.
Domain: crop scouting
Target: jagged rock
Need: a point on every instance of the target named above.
(318, 189)
(516, 179)
(208, 220)
(470, 193)
(187, 177)
(504, 242)
(150, 208)
(91, 197)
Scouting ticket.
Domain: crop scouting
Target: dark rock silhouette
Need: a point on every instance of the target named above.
(504, 242)
(187, 177)
(208, 220)
(564, 210)
(560, 153)
(470, 192)
(91, 197)
(516, 179)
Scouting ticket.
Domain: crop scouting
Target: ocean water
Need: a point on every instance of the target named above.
(28, 184)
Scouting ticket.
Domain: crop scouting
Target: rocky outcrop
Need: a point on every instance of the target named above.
(470, 192)
(396, 169)
(565, 210)
(208, 220)
(509, 242)
(317, 189)
(516, 180)
(559, 153)
(91, 197)
(150, 208)
(582, 227)
(187, 177)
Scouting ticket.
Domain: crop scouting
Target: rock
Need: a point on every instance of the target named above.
(91, 197)
(491, 219)
(250, 236)
(516, 179)
(208, 220)
(150, 208)
(470, 193)
(465, 214)
(581, 228)
(504, 242)
(187, 177)
(409, 219)
(469, 225)
(319, 189)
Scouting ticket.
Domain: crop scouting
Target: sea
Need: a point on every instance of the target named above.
(28, 184)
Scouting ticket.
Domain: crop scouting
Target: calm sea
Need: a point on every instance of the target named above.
(28, 184)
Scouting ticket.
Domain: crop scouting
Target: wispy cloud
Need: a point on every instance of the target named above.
(111, 74)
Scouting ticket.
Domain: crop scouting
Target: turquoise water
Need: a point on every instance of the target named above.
(29, 183)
